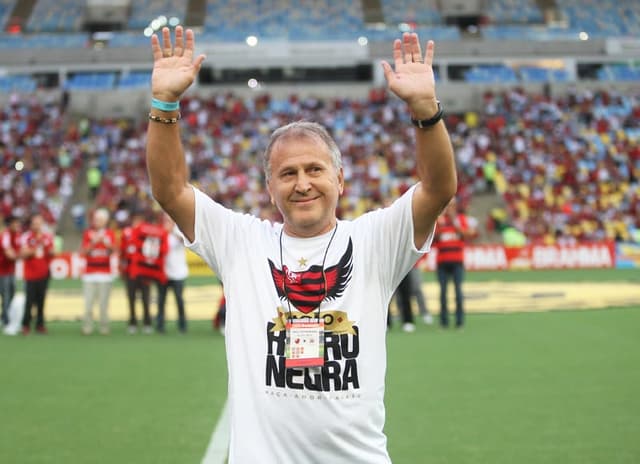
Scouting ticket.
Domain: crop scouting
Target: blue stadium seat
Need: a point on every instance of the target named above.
(603, 18)
(135, 80)
(514, 11)
(46, 40)
(234, 20)
(420, 12)
(560, 75)
(91, 81)
(535, 74)
(129, 39)
(56, 16)
(144, 11)
(6, 7)
(17, 83)
(483, 74)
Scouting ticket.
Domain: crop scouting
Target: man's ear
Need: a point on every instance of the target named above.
(340, 181)
(271, 199)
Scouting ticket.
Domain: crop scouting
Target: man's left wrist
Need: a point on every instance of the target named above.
(431, 120)
(424, 109)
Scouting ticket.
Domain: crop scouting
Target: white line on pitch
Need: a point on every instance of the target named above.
(219, 443)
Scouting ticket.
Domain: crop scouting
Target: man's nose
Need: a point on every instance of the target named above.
(303, 183)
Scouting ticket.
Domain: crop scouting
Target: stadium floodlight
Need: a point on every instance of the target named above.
(252, 40)
(404, 27)
(174, 21)
(583, 36)
(253, 83)
(148, 31)
(363, 41)
(19, 166)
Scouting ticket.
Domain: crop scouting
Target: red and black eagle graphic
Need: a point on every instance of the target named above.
(307, 289)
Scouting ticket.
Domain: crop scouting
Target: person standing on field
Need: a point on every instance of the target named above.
(451, 233)
(177, 271)
(149, 247)
(98, 245)
(9, 250)
(36, 251)
(307, 298)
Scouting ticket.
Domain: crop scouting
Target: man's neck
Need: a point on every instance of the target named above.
(311, 232)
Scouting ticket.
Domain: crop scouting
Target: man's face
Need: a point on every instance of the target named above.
(304, 185)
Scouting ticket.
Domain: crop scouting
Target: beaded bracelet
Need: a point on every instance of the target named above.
(154, 118)
(164, 106)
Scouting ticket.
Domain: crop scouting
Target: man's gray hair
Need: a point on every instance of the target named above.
(302, 129)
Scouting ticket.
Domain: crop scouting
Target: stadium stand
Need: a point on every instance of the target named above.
(143, 11)
(491, 73)
(91, 81)
(584, 178)
(607, 18)
(523, 88)
(134, 80)
(514, 11)
(41, 159)
(41, 41)
(234, 20)
(17, 84)
(6, 7)
(56, 16)
(411, 11)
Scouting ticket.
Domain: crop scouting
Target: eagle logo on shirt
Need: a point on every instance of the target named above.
(307, 289)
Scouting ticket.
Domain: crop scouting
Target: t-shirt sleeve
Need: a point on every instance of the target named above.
(391, 233)
(218, 232)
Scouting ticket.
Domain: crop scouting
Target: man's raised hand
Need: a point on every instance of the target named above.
(411, 77)
(174, 66)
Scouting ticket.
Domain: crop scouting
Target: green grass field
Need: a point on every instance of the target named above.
(550, 387)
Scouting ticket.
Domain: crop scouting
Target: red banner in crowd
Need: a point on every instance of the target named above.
(588, 255)
(498, 257)
(68, 265)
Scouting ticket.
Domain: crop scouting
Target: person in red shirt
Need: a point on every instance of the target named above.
(98, 244)
(452, 231)
(148, 247)
(133, 288)
(36, 250)
(9, 249)
(126, 251)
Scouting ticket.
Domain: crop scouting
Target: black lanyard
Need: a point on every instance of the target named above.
(324, 278)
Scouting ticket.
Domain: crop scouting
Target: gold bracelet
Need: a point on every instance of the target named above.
(154, 118)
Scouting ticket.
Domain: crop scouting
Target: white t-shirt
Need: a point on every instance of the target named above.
(307, 415)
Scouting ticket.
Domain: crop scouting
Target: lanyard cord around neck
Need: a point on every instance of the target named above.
(324, 277)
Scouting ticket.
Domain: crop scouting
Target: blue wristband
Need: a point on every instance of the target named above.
(165, 106)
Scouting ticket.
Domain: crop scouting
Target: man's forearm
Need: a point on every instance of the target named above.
(166, 163)
(435, 162)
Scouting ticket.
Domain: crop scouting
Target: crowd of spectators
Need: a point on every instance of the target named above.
(40, 158)
(568, 168)
(225, 137)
